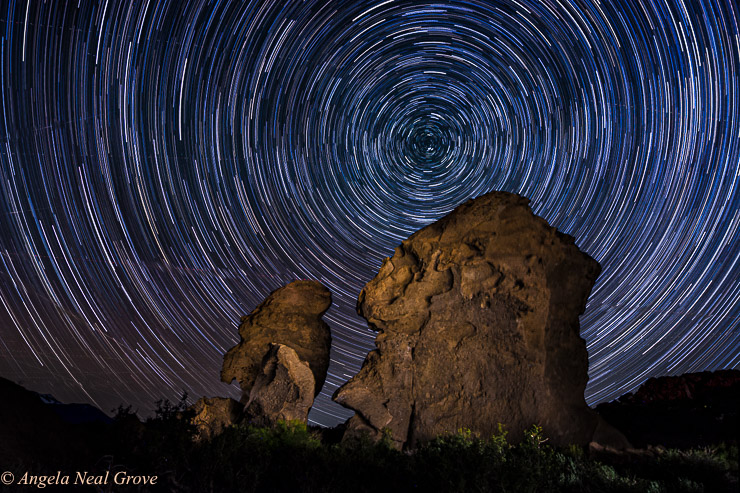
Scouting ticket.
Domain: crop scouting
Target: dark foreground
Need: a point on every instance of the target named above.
(43, 447)
(291, 457)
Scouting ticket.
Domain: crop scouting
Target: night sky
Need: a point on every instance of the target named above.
(164, 165)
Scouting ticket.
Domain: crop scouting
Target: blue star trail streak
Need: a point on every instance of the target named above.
(164, 165)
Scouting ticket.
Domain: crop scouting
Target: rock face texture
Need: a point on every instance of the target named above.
(281, 339)
(284, 390)
(477, 320)
(213, 414)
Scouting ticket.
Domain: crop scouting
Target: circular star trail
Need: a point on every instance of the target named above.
(165, 165)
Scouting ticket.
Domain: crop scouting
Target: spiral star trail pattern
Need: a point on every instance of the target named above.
(167, 164)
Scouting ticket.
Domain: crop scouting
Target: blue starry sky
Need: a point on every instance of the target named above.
(164, 165)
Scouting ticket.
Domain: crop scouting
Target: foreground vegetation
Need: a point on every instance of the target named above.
(292, 457)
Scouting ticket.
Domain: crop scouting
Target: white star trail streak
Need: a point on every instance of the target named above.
(165, 165)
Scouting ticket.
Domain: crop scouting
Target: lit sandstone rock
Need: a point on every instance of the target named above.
(289, 316)
(283, 391)
(213, 414)
(477, 320)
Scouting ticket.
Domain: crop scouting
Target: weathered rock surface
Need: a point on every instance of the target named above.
(290, 316)
(284, 390)
(478, 324)
(213, 414)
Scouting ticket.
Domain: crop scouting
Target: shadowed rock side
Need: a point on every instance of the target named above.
(290, 316)
(284, 390)
(477, 317)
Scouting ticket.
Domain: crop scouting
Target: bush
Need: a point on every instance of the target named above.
(292, 457)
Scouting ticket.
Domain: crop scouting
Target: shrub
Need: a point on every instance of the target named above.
(292, 457)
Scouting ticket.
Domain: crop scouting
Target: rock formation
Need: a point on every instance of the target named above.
(283, 352)
(284, 390)
(686, 387)
(684, 411)
(213, 414)
(477, 320)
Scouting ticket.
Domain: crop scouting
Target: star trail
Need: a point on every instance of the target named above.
(164, 165)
